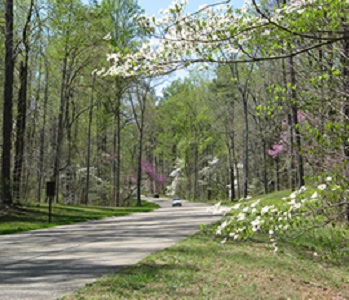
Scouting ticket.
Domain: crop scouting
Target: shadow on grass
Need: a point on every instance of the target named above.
(310, 249)
(19, 219)
(147, 275)
(22, 215)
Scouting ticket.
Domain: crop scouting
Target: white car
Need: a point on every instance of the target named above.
(176, 202)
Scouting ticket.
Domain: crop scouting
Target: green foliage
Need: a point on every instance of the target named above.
(187, 128)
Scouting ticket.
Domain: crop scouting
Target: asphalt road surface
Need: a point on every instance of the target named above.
(50, 263)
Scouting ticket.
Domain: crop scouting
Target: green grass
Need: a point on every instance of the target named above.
(200, 267)
(267, 199)
(36, 217)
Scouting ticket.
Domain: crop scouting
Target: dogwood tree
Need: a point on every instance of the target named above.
(259, 31)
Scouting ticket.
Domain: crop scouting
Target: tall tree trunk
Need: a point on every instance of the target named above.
(118, 152)
(264, 165)
(139, 165)
(237, 174)
(188, 171)
(231, 166)
(20, 128)
(90, 116)
(154, 160)
(196, 171)
(246, 148)
(231, 147)
(142, 99)
(60, 130)
(42, 135)
(289, 122)
(69, 172)
(291, 172)
(6, 187)
(243, 89)
(101, 137)
(114, 166)
(30, 149)
(294, 120)
(295, 125)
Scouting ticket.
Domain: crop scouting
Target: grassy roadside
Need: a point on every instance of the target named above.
(200, 267)
(267, 199)
(35, 217)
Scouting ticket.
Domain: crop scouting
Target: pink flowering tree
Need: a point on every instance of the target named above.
(156, 178)
(276, 150)
(283, 142)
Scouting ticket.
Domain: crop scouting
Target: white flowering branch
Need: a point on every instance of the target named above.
(297, 211)
(217, 30)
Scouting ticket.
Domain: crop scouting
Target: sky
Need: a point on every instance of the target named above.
(152, 7)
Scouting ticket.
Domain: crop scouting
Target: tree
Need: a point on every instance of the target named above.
(122, 35)
(138, 96)
(186, 135)
(6, 186)
(301, 33)
(22, 106)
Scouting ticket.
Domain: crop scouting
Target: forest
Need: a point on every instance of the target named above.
(253, 139)
(264, 108)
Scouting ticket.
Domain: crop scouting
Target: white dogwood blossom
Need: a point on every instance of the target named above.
(247, 219)
(216, 33)
(322, 187)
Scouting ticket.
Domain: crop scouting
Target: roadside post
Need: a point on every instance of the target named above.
(50, 193)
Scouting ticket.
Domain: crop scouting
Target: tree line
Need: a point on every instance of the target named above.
(60, 122)
(278, 121)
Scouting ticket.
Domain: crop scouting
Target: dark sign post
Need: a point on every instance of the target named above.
(50, 193)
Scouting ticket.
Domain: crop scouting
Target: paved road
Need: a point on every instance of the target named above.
(50, 263)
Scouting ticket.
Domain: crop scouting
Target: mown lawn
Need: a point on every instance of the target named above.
(200, 267)
(35, 217)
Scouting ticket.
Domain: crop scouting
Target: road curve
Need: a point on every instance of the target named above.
(50, 263)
